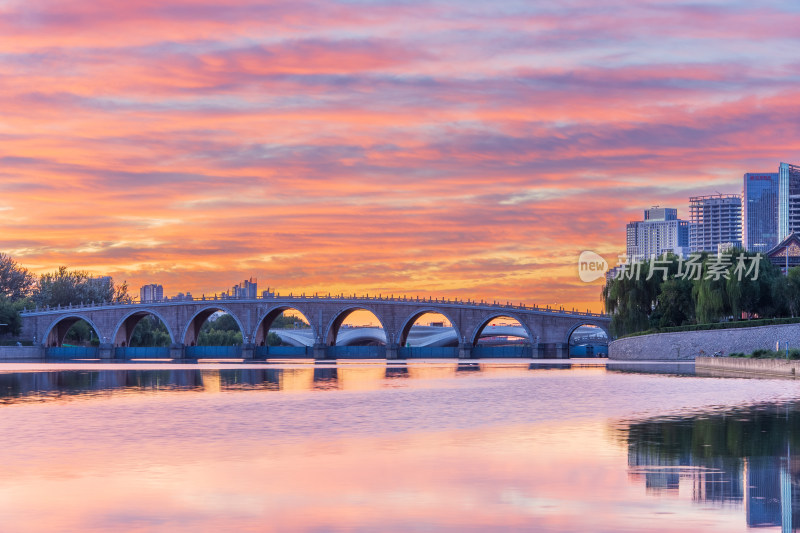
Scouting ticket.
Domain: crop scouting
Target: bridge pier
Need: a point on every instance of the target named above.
(248, 351)
(106, 351)
(392, 351)
(320, 351)
(464, 351)
(176, 351)
(554, 350)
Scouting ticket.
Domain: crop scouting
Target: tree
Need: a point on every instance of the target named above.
(16, 282)
(150, 331)
(221, 330)
(675, 306)
(71, 287)
(10, 316)
(793, 290)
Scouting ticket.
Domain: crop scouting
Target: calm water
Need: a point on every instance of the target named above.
(424, 447)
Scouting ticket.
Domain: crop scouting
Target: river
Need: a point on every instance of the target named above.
(376, 447)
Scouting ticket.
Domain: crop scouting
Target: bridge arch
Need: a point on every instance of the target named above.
(192, 329)
(58, 328)
(332, 331)
(408, 323)
(126, 325)
(580, 324)
(265, 322)
(476, 334)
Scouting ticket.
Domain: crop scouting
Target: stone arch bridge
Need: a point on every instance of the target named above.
(548, 329)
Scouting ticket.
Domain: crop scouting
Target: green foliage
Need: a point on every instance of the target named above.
(71, 287)
(150, 332)
(762, 353)
(10, 316)
(670, 300)
(81, 334)
(16, 282)
(220, 330)
(273, 339)
(284, 321)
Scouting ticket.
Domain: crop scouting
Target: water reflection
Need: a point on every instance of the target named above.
(746, 457)
(65, 384)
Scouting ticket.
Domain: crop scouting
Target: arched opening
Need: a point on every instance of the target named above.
(502, 336)
(142, 335)
(428, 328)
(284, 332)
(356, 327)
(588, 341)
(502, 331)
(356, 333)
(428, 334)
(284, 326)
(73, 337)
(213, 333)
(73, 331)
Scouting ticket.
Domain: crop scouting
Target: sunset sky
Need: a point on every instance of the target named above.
(444, 148)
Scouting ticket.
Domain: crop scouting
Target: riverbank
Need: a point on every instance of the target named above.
(739, 365)
(688, 345)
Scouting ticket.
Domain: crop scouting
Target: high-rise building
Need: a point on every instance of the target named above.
(714, 220)
(248, 289)
(658, 233)
(788, 200)
(760, 211)
(151, 293)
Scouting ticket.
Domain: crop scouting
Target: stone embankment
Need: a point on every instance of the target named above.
(688, 345)
(21, 353)
(740, 365)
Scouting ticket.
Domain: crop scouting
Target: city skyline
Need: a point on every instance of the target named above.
(441, 148)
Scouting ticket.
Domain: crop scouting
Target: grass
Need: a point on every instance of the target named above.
(763, 353)
(718, 325)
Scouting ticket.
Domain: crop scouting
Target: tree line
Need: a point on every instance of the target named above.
(20, 288)
(660, 294)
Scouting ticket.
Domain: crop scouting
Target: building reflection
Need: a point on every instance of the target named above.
(744, 458)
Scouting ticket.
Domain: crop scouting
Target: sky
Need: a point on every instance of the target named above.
(440, 148)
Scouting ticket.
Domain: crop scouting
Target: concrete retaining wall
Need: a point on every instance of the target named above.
(687, 345)
(19, 353)
(770, 367)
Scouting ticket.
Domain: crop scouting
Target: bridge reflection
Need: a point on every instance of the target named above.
(65, 385)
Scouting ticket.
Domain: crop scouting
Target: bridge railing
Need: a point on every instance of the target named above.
(315, 297)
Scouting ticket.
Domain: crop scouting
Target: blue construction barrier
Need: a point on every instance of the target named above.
(428, 352)
(213, 352)
(502, 352)
(356, 352)
(72, 352)
(142, 352)
(296, 352)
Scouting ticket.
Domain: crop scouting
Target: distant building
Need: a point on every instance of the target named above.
(151, 293)
(760, 211)
(658, 233)
(714, 220)
(248, 289)
(180, 297)
(786, 253)
(788, 199)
